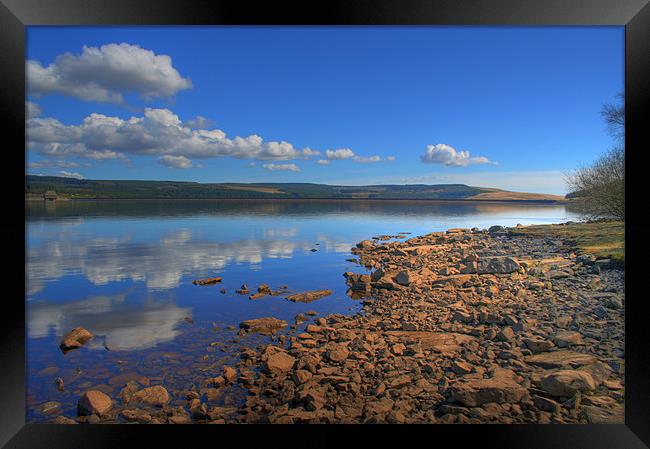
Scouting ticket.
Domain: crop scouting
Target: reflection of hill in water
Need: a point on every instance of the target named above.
(143, 208)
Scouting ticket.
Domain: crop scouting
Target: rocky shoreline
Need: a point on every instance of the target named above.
(462, 326)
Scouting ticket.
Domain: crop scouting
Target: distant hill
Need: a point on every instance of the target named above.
(36, 186)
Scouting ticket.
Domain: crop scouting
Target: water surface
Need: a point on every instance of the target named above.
(123, 270)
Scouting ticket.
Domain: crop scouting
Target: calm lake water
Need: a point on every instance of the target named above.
(124, 271)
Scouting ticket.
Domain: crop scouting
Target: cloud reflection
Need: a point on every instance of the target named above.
(116, 322)
(160, 264)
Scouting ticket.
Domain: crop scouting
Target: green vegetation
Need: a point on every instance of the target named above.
(36, 186)
(604, 239)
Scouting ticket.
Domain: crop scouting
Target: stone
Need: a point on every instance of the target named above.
(365, 244)
(565, 383)
(94, 402)
(63, 420)
(537, 345)
(136, 415)
(476, 392)
(600, 415)
(154, 396)
(405, 277)
(264, 326)
(309, 296)
(506, 334)
(230, 374)
(207, 281)
(497, 265)
(75, 339)
(280, 362)
(460, 367)
(546, 404)
(599, 371)
(564, 339)
(560, 359)
(495, 228)
(338, 353)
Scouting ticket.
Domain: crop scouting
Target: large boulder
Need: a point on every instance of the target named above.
(476, 392)
(497, 265)
(566, 383)
(75, 339)
(94, 402)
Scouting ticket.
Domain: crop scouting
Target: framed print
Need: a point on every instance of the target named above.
(309, 220)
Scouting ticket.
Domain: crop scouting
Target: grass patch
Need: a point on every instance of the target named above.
(605, 239)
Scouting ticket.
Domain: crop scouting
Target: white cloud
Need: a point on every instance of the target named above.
(104, 74)
(67, 174)
(199, 122)
(283, 167)
(390, 158)
(323, 162)
(175, 161)
(309, 152)
(32, 109)
(158, 132)
(448, 156)
(45, 163)
(341, 153)
(366, 160)
(346, 153)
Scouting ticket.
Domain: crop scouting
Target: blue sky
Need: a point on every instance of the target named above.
(505, 107)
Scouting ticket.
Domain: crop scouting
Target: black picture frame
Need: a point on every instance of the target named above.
(15, 15)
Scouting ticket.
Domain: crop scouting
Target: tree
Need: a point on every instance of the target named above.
(599, 189)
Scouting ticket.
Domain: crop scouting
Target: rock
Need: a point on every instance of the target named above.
(405, 277)
(207, 281)
(497, 265)
(230, 374)
(338, 353)
(154, 396)
(600, 415)
(75, 339)
(63, 420)
(309, 296)
(378, 407)
(506, 334)
(264, 326)
(566, 383)
(136, 415)
(365, 244)
(565, 339)
(537, 345)
(476, 392)
(609, 300)
(280, 362)
(560, 359)
(50, 407)
(599, 371)
(460, 367)
(94, 402)
(495, 228)
(546, 404)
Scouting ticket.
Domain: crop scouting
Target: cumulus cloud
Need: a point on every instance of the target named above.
(158, 132)
(67, 174)
(346, 153)
(282, 167)
(104, 73)
(32, 109)
(323, 162)
(341, 153)
(175, 161)
(448, 156)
